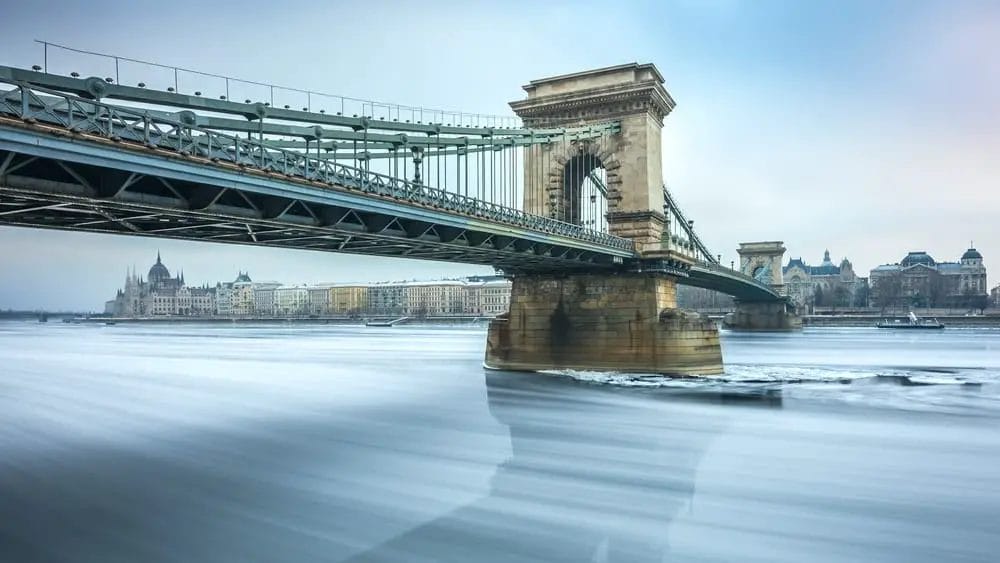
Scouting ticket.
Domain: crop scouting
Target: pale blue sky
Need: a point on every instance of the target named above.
(869, 128)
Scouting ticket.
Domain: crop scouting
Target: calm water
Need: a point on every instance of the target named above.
(325, 443)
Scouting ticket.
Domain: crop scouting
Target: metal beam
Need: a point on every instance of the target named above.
(84, 87)
(34, 208)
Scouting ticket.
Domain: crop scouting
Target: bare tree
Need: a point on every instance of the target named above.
(888, 290)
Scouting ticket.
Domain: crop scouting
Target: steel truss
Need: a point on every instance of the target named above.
(135, 130)
(58, 194)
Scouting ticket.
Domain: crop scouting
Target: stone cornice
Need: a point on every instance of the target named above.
(598, 71)
(616, 216)
(606, 102)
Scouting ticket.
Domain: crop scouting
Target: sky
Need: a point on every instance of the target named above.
(866, 128)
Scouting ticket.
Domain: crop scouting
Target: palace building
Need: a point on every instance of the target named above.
(920, 281)
(826, 285)
(160, 294)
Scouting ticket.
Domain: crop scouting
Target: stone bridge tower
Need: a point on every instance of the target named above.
(762, 261)
(626, 320)
(631, 94)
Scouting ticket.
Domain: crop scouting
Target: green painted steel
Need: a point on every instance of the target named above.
(99, 89)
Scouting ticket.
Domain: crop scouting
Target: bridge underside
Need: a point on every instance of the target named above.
(72, 182)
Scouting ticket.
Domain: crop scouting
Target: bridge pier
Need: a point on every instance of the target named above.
(770, 315)
(626, 322)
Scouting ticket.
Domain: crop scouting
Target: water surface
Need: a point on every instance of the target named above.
(337, 443)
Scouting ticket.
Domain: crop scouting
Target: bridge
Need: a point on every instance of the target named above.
(568, 199)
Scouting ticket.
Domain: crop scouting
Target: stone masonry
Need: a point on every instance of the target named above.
(623, 322)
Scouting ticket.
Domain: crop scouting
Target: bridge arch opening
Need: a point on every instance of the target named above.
(583, 199)
(762, 273)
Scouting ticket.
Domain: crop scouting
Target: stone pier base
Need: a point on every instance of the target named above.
(762, 316)
(624, 322)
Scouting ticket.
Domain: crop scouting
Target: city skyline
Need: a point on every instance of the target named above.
(161, 294)
(329, 268)
(852, 126)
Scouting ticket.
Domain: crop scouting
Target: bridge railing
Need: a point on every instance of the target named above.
(671, 207)
(180, 80)
(120, 124)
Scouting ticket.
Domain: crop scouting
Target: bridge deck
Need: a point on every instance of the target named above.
(52, 179)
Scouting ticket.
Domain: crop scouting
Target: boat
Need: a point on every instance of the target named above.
(912, 322)
(380, 323)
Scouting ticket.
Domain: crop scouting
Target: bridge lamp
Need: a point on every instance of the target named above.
(417, 159)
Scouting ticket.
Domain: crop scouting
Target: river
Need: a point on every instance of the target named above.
(343, 443)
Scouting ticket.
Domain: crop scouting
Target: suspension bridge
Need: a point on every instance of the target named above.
(570, 187)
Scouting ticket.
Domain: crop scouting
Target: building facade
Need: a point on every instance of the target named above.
(435, 298)
(161, 295)
(388, 298)
(919, 281)
(826, 285)
(291, 301)
(319, 299)
(488, 298)
(242, 301)
(263, 298)
(349, 300)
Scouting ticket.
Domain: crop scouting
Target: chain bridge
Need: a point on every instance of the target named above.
(570, 189)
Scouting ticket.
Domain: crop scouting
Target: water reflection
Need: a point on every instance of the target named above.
(585, 481)
(592, 473)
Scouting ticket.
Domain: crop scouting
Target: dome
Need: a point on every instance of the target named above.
(972, 254)
(158, 272)
(918, 257)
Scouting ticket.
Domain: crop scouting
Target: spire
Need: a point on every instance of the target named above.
(158, 257)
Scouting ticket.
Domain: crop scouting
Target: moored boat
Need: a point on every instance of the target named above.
(912, 322)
